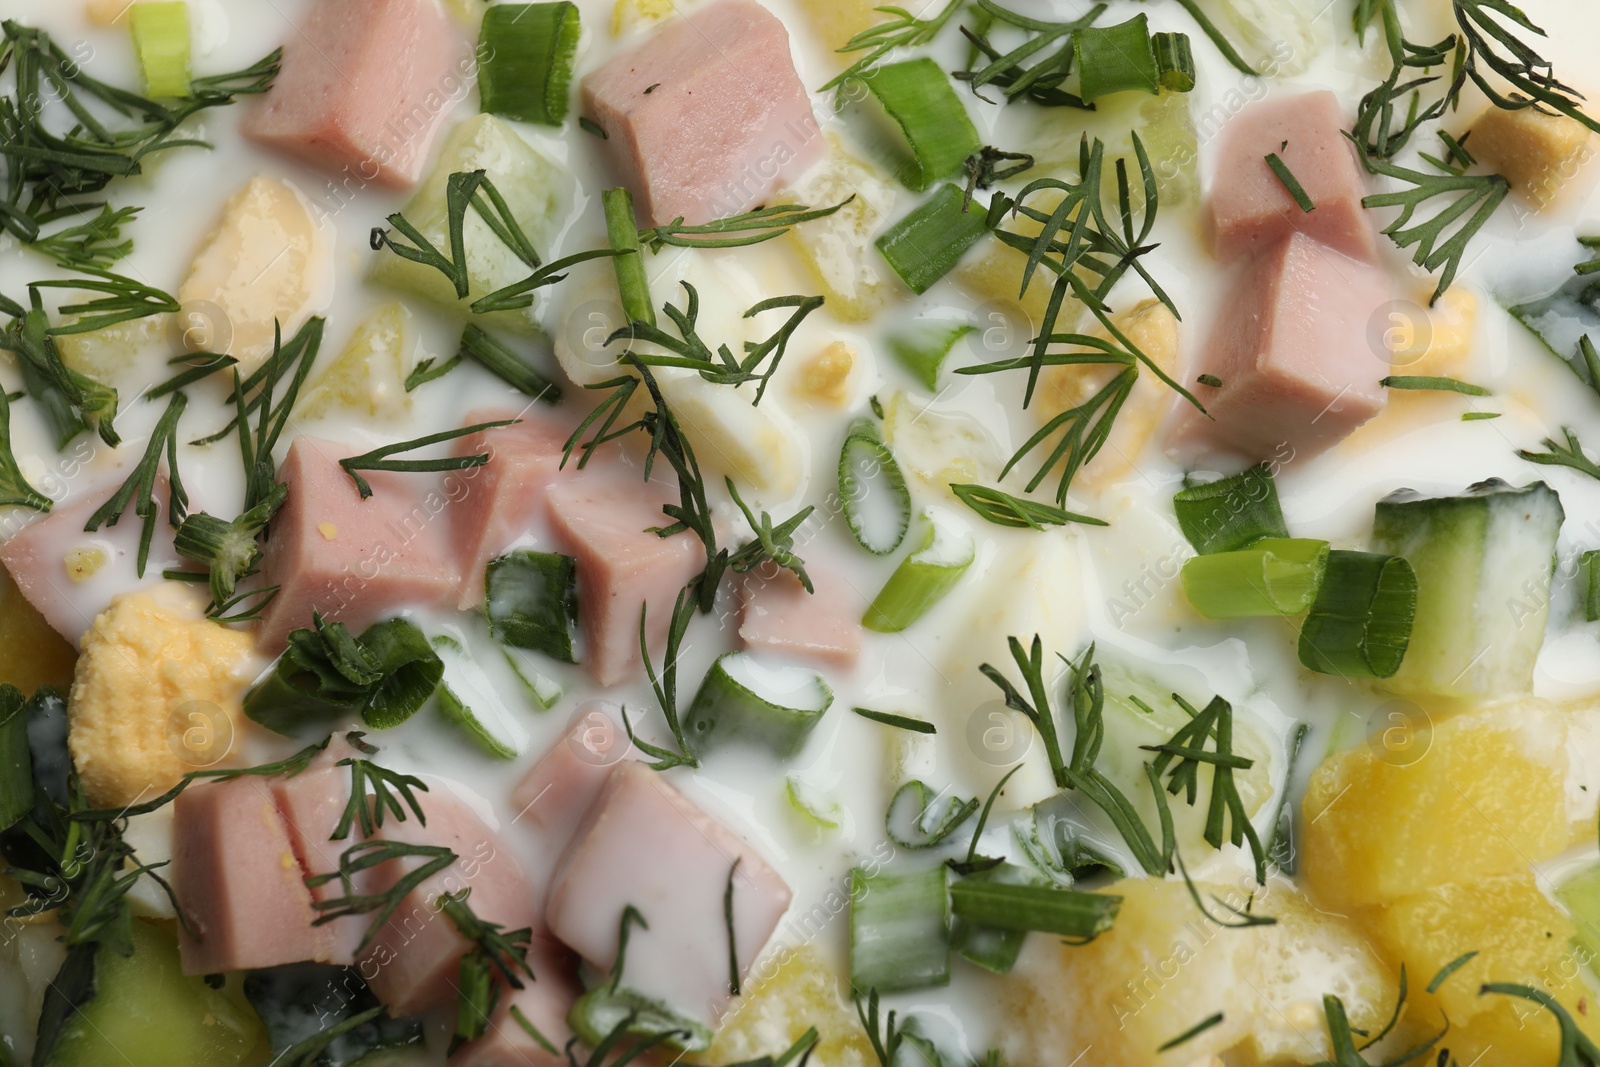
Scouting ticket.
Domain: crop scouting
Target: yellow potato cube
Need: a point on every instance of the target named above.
(32, 654)
(836, 21)
(1439, 345)
(839, 248)
(267, 261)
(994, 271)
(1152, 327)
(802, 992)
(629, 15)
(156, 695)
(1536, 151)
(1164, 966)
(1427, 802)
(1519, 936)
(369, 377)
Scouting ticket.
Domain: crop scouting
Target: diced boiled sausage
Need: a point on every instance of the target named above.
(544, 1003)
(647, 845)
(706, 117)
(778, 615)
(363, 88)
(312, 803)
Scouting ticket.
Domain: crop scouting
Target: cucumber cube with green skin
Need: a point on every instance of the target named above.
(145, 1012)
(536, 190)
(1484, 561)
(899, 929)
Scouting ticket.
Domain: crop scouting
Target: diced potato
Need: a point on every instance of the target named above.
(369, 377)
(1536, 151)
(111, 354)
(993, 271)
(758, 446)
(801, 992)
(1154, 329)
(30, 956)
(827, 376)
(156, 694)
(32, 654)
(836, 21)
(534, 188)
(1519, 936)
(937, 446)
(839, 248)
(629, 15)
(1443, 345)
(1419, 805)
(1165, 125)
(267, 261)
(1163, 967)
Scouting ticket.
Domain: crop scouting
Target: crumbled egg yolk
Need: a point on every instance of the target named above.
(827, 376)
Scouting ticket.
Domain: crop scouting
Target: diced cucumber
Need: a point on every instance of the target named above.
(899, 929)
(1562, 319)
(145, 1012)
(535, 189)
(1484, 560)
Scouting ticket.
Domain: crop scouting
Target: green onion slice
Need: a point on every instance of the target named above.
(804, 802)
(1120, 58)
(918, 97)
(899, 929)
(622, 227)
(540, 687)
(872, 490)
(1431, 383)
(1277, 576)
(927, 244)
(899, 722)
(926, 576)
(468, 700)
(597, 1016)
(526, 55)
(510, 367)
(1589, 584)
(532, 600)
(161, 38)
(923, 347)
(1360, 623)
(919, 818)
(1232, 513)
(994, 948)
(16, 764)
(410, 672)
(744, 700)
(1066, 912)
(1175, 61)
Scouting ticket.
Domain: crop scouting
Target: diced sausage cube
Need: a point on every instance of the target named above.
(1251, 209)
(312, 803)
(605, 525)
(356, 561)
(364, 86)
(778, 615)
(647, 845)
(506, 503)
(413, 959)
(1294, 350)
(706, 117)
(544, 1003)
(235, 875)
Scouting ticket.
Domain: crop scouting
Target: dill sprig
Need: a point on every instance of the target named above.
(495, 951)
(1015, 512)
(1010, 71)
(379, 459)
(902, 30)
(374, 793)
(1570, 455)
(1471, 200)
(1489, 40)
(1181, 758)
(229, 550)
(257, 395)
(364, 856)
(139, 487)
(665, 684)
(736, 231)
(14, 488)
(96, 243)
(72, 401)
(774, 543)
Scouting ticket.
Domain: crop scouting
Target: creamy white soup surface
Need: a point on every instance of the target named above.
(1388, 705)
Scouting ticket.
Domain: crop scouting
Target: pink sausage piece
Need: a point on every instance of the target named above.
(778, 615)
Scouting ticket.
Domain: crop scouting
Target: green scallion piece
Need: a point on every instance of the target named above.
(608, 1011)
(1116, 59)
(1175, 61)
(327, 674)
(928, 243)
(899, 722)
(411, 672)
(511, 368)
(622, 227)
(1277, 576)
(540, 687)
(925, 577)
(1589, 584)
(1360, 623)
(923, 348)
(918, 818)
(526, 55)
(1065, 912)
(872, 490)
(16, 764)
(1286, 176)
(918, 97)
(994, 948)
(468, 700)
(899, 929)
(743, 700)
(1232, 513)
(1426, 382)
(532, 600)
(161, 39)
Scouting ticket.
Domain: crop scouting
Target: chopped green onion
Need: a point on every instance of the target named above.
(1277, 576)
(994, 948)
(1047, 909)
(161, 38)
(1589, 584)
(870, 481)
(1115, 59)
(532, 602)
(743, 700)
(899, 929)
(918, 96)
(632, 282)
(1360, 623)
(1424, 382)
(927, 244)
(464, 680)
(899, 722)
(925, 577)
(1286, 176)
(609, 1011)
(544, 690)
(1175, 61)
(411, 670)
(526, 55)
(508, 366)
(923, 348)
(16, 764)
(1479, 416)
(808, 807)
(1232, 513)
(1015, 512)
(919, 818)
